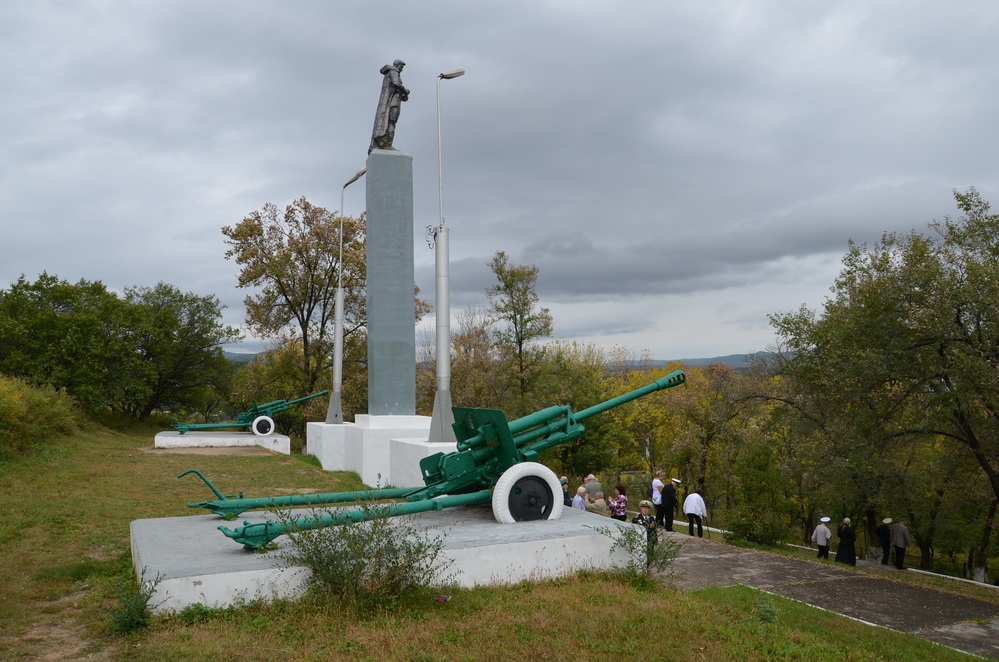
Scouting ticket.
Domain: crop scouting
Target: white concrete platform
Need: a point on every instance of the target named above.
(382, 450)
(196, 563)
(278, 443)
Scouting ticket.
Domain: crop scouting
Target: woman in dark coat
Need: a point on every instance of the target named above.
(847, 551)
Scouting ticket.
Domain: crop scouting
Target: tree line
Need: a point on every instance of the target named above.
(884, 403)
(143, 350)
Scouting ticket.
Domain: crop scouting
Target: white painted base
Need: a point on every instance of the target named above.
(382, 450)
(278, 443)
(197, 564)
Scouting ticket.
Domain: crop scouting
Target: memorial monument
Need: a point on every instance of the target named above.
(496, 461)
(390, 272)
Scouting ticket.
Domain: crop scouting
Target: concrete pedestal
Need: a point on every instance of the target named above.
(382, 450)
(197, 564)
(278, 443)
(391, 306)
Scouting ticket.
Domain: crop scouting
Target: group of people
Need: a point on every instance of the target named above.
(663, 497)
(665, 501)
(590, 496)
(890, 537)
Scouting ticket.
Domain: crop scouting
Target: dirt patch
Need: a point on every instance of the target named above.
(54, 638)
(56, 642)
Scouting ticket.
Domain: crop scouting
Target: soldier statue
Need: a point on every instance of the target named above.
(392, 96)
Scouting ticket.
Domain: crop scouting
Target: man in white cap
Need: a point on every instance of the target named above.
(884, 535)
(821, 536)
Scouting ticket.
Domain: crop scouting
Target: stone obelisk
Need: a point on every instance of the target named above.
(390, 277)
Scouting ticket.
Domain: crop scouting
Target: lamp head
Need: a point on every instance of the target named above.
(454, 73)
(357, 175)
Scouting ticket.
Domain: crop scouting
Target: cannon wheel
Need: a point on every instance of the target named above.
(262, 426)
(527, 491)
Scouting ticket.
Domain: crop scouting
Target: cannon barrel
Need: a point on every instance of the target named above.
(535, 441)
(552, 420)
(278, 406)
(674, 378)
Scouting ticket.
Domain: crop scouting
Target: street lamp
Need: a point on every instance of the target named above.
(447, 75)
(335, 412)
(443, 417)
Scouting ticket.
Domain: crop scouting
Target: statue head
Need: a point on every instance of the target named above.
(399, 64)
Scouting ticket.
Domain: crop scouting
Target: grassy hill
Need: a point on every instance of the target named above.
(67, 508)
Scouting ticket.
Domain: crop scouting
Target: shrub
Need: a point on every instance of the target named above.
(132, 611)
(647, 564)
(760, 526)
(30, 415)
(370, 564)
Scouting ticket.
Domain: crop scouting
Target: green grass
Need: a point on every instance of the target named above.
(65, 534)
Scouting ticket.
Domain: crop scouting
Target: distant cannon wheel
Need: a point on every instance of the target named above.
(527, 491)
(263, 426)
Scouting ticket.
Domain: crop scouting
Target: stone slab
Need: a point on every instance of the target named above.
(278, 443)
(196, 563)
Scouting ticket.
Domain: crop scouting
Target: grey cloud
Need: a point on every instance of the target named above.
(700, 155)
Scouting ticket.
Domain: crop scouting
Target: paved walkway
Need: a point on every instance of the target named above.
(924, 612)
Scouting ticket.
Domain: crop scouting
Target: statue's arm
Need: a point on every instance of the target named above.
(396, 81)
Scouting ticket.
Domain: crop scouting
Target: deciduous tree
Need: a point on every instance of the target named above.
(153, 348)
(518, 323)
(79, 337)
(907, 348)
(179, 343)
(292, 258)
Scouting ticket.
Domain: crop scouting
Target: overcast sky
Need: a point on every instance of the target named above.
(677, 170)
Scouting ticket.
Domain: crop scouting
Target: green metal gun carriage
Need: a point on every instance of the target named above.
(257, 418)
(495, 462)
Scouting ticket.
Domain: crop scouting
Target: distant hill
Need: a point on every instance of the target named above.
(239, 357)
(734, 361)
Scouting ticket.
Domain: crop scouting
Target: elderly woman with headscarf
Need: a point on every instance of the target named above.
(847, 550)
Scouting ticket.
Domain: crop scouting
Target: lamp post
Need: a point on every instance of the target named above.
(443, 417)
(335, 412)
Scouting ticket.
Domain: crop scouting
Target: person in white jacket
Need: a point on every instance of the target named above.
(696, 511)
(821, 535)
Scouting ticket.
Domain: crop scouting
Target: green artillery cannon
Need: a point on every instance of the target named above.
(257, 418)
(495, 462)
